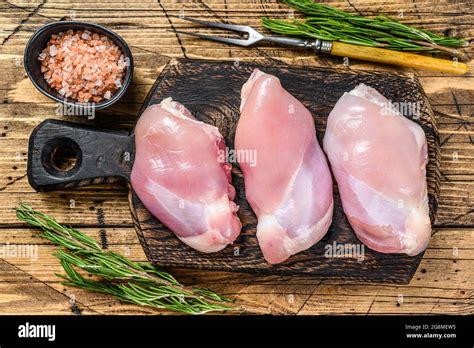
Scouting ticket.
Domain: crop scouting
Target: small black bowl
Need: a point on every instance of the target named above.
(38, 42)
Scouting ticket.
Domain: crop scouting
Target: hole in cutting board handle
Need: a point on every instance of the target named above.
(61, 156)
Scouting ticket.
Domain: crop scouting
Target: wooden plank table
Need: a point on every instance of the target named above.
(444, 281)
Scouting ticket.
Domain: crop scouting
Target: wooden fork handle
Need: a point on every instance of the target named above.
(409, 60)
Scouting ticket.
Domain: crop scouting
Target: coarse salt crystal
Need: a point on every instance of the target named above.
(53, 50)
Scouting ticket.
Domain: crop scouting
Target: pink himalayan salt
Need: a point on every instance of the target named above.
(84, 66)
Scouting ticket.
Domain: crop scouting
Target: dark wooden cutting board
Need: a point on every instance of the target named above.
(211, 90)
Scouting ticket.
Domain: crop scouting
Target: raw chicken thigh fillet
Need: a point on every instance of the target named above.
(179, 178)
(379, 159)
(289, 186)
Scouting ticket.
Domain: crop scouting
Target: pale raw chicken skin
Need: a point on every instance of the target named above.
(289, 187)
(181, 178)
(379, 159)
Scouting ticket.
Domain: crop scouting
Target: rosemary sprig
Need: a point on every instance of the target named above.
(135, 282)
(328, 23)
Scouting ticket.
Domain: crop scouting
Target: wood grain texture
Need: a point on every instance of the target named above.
(211, 90)
(444, 281)
(442, 284)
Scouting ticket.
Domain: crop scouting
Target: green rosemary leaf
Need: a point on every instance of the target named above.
(328, 23)
(127, 280)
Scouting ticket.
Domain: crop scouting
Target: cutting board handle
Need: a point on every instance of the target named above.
(65, 154)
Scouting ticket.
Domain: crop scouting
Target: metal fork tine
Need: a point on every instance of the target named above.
(241, 28)
(239, 42)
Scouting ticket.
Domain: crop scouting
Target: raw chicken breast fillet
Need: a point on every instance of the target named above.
(379, 159)
(181, 178)
(289, 186)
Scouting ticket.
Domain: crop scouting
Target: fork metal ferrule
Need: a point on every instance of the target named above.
(318, 46)
(321, 46)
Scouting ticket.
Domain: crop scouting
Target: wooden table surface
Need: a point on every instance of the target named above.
(445, 278)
